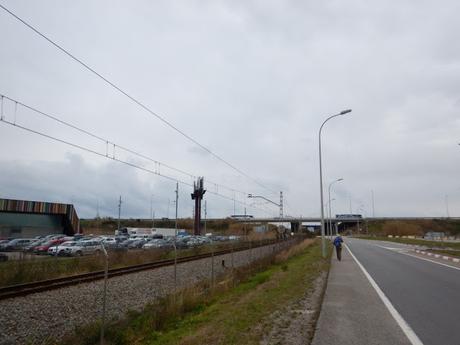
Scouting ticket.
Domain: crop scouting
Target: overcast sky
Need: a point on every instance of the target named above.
(250, 80)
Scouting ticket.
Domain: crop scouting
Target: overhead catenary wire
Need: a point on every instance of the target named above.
(108, 143)
(132, 165)
(133, 99)
(4, 120)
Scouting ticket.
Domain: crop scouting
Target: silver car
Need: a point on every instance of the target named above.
(84, 248)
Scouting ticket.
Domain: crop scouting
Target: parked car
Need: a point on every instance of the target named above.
(110, 242)
(137, 243)
(31, 246)
(17, 244)
(127, 242)
(60, 249)
(43, 248)
(120, 239)
(156, 243)
(3, 243)
(84, 248)
(145, 237)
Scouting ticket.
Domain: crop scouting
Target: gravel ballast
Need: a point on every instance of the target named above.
(34, 318)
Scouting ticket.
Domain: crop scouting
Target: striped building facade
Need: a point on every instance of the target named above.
(24, 218)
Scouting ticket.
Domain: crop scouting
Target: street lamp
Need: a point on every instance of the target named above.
(326, 206)
(280, 205)
(330, 213)
(323, 240)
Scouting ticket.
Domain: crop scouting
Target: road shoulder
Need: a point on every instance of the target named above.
(352, 312)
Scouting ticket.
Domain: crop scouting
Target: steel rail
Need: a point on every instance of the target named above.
(20, 290)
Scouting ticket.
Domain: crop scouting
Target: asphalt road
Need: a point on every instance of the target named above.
(426, 294)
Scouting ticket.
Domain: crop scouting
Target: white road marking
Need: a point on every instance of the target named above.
(418, 257)
(410, 334)
(394, 249)
(435, 262)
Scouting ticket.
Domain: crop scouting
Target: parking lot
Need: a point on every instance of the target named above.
(59, 245)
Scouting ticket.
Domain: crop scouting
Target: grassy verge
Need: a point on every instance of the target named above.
(453, 245)
(231, 313)
(447, 252)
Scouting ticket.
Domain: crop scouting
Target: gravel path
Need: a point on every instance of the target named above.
(34, 318)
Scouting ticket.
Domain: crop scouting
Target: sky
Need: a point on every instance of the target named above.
(252, 81)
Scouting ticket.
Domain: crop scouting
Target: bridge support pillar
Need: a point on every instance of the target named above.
(295, 227)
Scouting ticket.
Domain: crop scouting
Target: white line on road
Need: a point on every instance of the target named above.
(435, 262)
(418, 257)
(410, 334)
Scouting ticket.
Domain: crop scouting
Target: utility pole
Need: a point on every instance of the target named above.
(373, 206)
(175, 246)
(205, 215)
(349, 196)
(152, 212)
(281, 204)
(119, 212)
(177, 199)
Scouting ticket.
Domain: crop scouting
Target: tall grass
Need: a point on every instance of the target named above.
(168, 312)
(30, 270)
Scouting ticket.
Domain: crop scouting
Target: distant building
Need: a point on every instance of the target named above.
(22, 218)
(261, 228)
(433, 235)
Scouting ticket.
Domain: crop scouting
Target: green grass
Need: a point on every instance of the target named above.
(223, 315)
(454, 245)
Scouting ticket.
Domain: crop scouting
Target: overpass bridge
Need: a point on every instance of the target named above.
(296, 222)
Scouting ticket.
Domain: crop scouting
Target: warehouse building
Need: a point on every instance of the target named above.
(26, 219)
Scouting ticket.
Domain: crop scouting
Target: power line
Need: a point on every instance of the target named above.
(110, 143)
(132, 98)
(132, 165)
(86, 149)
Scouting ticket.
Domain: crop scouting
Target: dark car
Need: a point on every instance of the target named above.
(138, 243)
(16, 244)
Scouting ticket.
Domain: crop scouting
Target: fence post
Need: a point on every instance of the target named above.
(175, 270)
(212, 267)
(104, 297)
(232, 258)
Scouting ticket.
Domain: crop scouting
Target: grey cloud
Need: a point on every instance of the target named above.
(253, 80)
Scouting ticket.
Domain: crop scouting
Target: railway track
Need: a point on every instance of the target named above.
(56, 283)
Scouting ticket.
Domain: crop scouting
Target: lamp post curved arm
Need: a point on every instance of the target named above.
(323, 240)
(262, 197)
